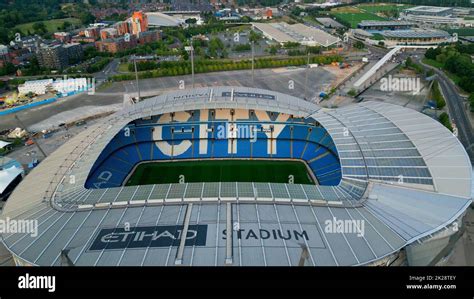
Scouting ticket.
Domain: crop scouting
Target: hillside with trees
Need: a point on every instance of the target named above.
(14, 13)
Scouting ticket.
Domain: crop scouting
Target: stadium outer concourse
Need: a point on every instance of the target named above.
(402, 178)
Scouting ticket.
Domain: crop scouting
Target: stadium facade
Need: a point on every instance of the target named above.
(390, 181)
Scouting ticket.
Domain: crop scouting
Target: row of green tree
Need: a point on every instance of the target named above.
(99, 65)
(410, 64)
(437, 96)
(205, 66)
(444, 119)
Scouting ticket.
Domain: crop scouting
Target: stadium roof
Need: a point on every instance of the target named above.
(328, 22)
(283, 33)
(250, 223)
(362, 32)
(163, 20)
(416, 34)
(385, 23)
(7, 176)
(428, 9)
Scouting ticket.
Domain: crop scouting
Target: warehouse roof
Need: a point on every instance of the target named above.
(283, 32)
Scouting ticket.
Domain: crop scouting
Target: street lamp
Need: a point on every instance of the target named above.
(253, 63)
(191, 50)
(306, 79)
(136, 76)
(22, 125)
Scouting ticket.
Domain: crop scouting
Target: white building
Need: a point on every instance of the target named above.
(171, 19)
(38, 87)
(3, 50)
(64, 86)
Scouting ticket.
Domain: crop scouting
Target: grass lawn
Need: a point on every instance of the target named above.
(462, 31)
(220, 171)
(432, 62)
(240, 28)
(123, 67)
(51, 25)
(356, 18)
(345, 9)
(383, 7)
(104, 86)
(378, 36)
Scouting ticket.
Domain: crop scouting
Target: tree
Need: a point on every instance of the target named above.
(291, 45)
(444, 119)
(86, 17)
(254, 36)
(437, 96)
(313, 50)
(242, 48)
(273, 50)
(40, 28)
(191, 21)
(359, 45)
(66, 25)
(8, 69)
(431, 53)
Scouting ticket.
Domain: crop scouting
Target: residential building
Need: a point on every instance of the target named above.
(74, 52)
(139, 22)
(114, 45)
(149, 37)
(92, 32)
(122, 28)
(108, 33)
(64, 37)
(53, 57)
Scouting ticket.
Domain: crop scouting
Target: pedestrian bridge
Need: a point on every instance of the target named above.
(382, 61)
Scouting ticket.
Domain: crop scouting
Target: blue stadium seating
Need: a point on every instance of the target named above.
(145, 150)
(285, 133)
(142, 134)
(283, 149)
(259, 148)
(243, 148)
(300, 132)
(126, 150)
(298, 148)
(220, 148)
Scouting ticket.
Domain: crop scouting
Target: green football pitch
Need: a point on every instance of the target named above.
(273, 171)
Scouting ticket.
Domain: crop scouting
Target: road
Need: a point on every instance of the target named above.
(457, 110)
(454, 101)
(110, 70)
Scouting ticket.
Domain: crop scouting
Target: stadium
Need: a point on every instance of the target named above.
(234, 176)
